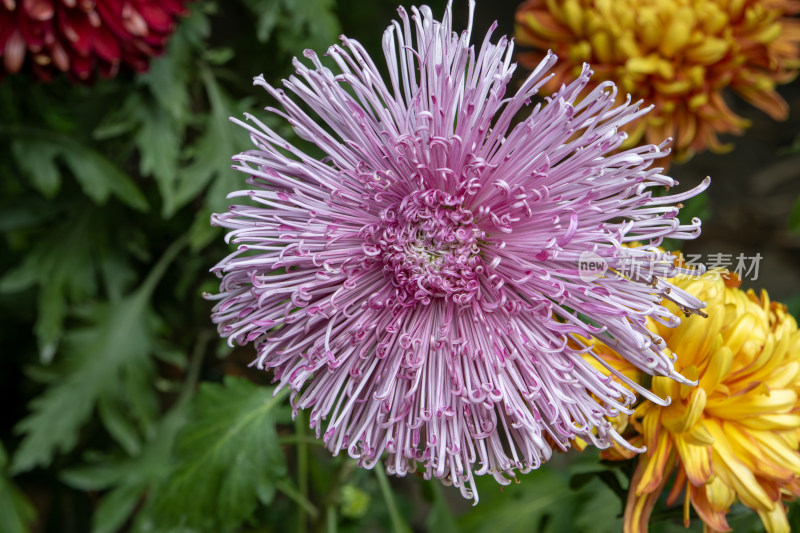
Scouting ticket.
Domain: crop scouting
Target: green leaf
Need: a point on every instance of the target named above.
(169, 75)
(793, 305)
(16, 512)
(130, 479)
(23, 213)
(296, 25)
(115, 508)
(211, 160)
(440, 518)
(98, 176)
(98, 355)
(104, 361)
(159, 142)
(62, 265)
(268, 12)
(311, 24)
(65, 264)
(227, 455)
(36, 158)
(543, 501)
(794, 217)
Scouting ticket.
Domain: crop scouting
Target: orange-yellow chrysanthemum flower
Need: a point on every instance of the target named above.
(736, 434)
(676, 54)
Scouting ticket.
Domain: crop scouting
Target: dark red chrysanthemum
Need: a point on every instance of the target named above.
(81, 36)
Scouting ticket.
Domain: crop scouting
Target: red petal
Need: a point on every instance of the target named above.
(14, 53)
(156, 18)
(39, 9)
(106, 45)
(6, 27)
(82, 66)
(174, 7)
(75, 26)
(133, 21)
(111, 13)
(60, 57)
(33, 31)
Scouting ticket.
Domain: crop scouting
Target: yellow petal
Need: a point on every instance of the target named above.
(639, 506)
(709, 51)
(735, 474)
(694, 337)
(739, 332)
(775, 519)
(654, 471)
(688, 416)
(778, 452)
(751, 452)
(696, 461)
(678, 32)
(713, 519)
(719, 366)
(736, 407)
(719, 495)
(573, 16)
(699, 435)
(772, 422)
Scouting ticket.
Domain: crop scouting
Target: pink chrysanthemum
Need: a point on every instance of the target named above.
(418, 288)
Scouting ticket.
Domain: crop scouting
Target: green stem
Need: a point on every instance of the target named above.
(160, 267)
(330, 519)
(398, 524)
(296, 439)
(195, 364)
(302, 467)
(331, 497)
(294, 495)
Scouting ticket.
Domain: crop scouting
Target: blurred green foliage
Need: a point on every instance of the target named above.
(131, 421)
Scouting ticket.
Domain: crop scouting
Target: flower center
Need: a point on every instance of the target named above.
(429, 243)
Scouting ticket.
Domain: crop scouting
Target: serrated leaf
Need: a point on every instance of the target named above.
(268, 12)
(296, 25)
(313, 24)
(227, 455)
(118, 424)
(16, 512)
(21, 213)
(158, 140)
(169, 75)
(211, 155)
(121, 120)
(98, 176)
(62, 265)
(37, 160)
(114, 344)
(211, 160)
(97, 356)
(130, 479)
(65, 264)
(115, 508)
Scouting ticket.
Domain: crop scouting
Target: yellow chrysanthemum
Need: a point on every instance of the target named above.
(675, 54)
(736, 434)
